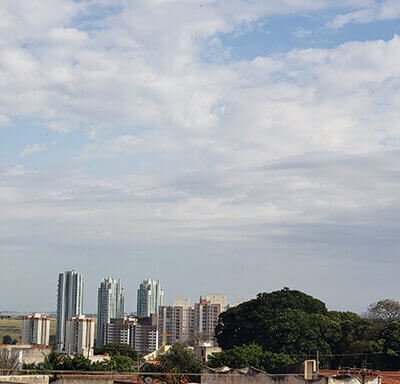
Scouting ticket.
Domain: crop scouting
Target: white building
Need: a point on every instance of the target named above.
(217, 298)
(110, 305)
(79, 336)
(35, 330)
(150, 297)
(183, 323)
(69, 302)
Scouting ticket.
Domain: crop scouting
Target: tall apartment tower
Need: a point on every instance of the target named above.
(79, 336)
(150, 297)
(35, 330)
(69, 302)
(110, 305)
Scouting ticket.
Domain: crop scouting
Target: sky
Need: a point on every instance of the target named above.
(220, 146)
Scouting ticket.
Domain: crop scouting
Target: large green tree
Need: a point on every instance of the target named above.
(251, 355)
(114, 349)
(281, 321)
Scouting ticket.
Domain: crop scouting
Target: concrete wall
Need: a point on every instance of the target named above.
(26, 379)
(92, 379)
(253, 376)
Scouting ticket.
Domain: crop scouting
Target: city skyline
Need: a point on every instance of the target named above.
(90, 297)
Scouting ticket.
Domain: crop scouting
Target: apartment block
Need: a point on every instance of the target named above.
(141, 333)
(110, 304)
(183, 323)
(79, 336)
(35, 330)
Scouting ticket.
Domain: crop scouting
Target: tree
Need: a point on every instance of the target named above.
(249, 356)
(53, 361)
(180, 359)
(7, 339)
(9, 362)
(258, 321)
(114, 349)
(384, 310)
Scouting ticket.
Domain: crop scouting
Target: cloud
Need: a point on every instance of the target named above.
(376, 10)
(31, 149)
(301, 33)
(120, 145)
(285, 159)
(4, 120)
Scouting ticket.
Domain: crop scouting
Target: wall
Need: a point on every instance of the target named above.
(26, 379)
(254, 376)
(92, 379)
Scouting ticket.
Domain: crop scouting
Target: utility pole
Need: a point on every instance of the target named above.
(317, 361)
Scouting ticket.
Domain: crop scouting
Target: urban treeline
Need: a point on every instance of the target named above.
(274, 330)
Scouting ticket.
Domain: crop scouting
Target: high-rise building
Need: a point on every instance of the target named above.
(69, 302)
(150, 297)
(217, 298)
(205, 318)
(141, 333)
(110, 305)
(35, 330)
(183, 323)
(79, 336)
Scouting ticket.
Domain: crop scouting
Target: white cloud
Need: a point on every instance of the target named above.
(31, 149)
(375, 10)
(301, 33)
(4, 120)
(262, 153)
(120, 145)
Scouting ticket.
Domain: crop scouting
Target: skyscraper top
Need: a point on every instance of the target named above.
(150, 296)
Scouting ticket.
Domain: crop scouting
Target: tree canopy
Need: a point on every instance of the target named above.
(384, 310)
(294, 325)
(114, 349)
(249, 355)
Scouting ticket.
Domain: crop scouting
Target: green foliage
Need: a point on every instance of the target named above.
(180, 359)
(258, 321)
(115, 349)
(249, 355)
(56, 361)
(293, 323)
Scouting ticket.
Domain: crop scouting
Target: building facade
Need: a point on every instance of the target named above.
(79, 336)
(110, 304)
(193, 325)
(69, 302)
(35, 330)
(141, 333)
(150, 297)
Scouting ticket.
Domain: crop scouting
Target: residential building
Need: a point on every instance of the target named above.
(141, 333)
(35, 330)
(150, 297)
(171, 324)
(110, 305)
(146, 335)
(182, 323)
(217, 298)
(120, 331)
(69, 302)
(79, 336)
(205, 318)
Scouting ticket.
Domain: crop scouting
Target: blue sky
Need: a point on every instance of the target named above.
(228, 146)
